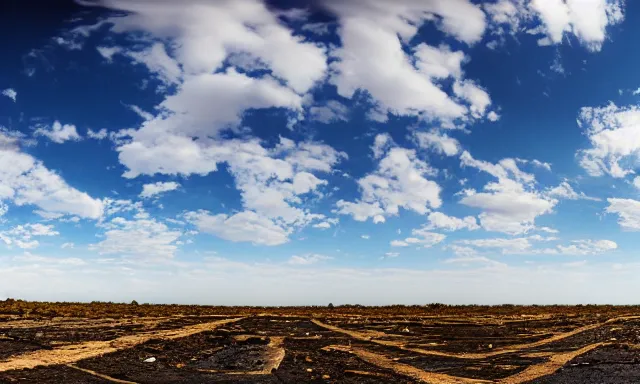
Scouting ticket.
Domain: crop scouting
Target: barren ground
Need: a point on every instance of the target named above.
(115, 343)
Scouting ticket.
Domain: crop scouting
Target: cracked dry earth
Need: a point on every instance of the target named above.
(328, 348)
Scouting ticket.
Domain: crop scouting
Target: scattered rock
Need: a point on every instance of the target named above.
(326, 377)
(309, 370)
(308, 359)
(150, 360)
(490, 346)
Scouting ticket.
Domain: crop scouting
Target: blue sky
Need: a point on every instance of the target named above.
(373, 152)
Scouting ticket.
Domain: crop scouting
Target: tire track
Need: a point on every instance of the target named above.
(549, 367)
(369, 336)
(100, 375)
(404, 369)
(71, 353)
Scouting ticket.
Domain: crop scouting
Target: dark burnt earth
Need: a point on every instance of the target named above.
(319, 345)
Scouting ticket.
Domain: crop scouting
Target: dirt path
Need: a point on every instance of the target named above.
(555, 362)
(369, 336)
(100, 375)
(404, 369)
(71, 353)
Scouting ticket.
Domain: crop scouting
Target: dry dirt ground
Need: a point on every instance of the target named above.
(317, 345)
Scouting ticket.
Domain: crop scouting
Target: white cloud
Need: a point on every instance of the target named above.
(614, 133)
(308, 259)
(204, 105)
(628, 212)
(156, 59)
(474, 95)
(331, 112)
(588, 21)
(97, 135)
(492, 116)
(25, 180)
(524, 246)
(158, 188)
(108, 52)
(22, 235)
(10, 93)
(245, 226)
(565, 191)
(141, 237)
(399, 182)
(511, 204)
(68, 246)
(636, 182)
(326, 224)
(588, 247)
(59, 133)
(225, 28)
(378, 29)
(366, 237)
(439, 62)
(422, 237)
(438, 142)
(438, 220)
(391, 254)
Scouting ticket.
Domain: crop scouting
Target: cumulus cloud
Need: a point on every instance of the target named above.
(59, 133)
(25, 180)
(328, 223)
(10, 93)
(565, 191)
(22, 236)
(438, 142)
(588, 247)
(614, 133)
(225, 28)
(587, 21)
(421, 237)
(380, 28)
(97, 135)
(399, 182)
(628, 211)
(142, 237)
(245, 226)
(511, 204)
(438, 220)
(155, 189)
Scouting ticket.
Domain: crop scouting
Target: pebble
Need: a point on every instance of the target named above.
(326, 377)
(150, 360)
(309, 370)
